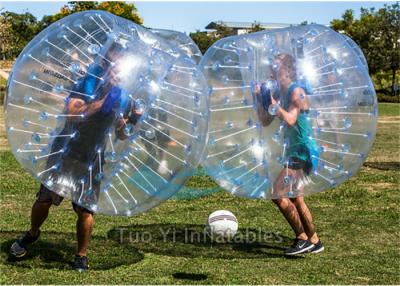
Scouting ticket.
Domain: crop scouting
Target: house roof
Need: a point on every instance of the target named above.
(246, 25)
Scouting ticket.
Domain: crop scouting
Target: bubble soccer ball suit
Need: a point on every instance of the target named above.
(292, 111)
(106, 113)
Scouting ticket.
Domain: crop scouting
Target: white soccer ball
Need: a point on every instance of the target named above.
(222, 225)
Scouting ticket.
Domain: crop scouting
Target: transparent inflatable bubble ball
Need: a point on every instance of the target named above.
(106, 113)
(181, 41)
(292, 111)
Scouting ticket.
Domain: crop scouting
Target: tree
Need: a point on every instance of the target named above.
(203, 40)
(16, 30)
(223, 31)
(346, 23)
(378, 35)
(6, 39)
(388, 22)
(256, 27)
(121, 9)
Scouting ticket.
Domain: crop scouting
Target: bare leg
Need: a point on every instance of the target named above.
(39, 213)
(289, 211)
(84, 227)
(287, 208)
(306, 218)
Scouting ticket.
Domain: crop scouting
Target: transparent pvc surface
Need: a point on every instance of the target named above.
(292, 112)
(182, 42)
(195, 188)
(106, 113)
(357, 50)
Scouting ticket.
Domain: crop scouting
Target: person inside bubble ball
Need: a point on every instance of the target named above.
(101, 102)
(298, 161)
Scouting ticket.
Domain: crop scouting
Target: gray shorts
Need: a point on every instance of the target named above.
(46, 196)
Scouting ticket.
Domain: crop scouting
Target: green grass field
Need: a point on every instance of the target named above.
(358, 223)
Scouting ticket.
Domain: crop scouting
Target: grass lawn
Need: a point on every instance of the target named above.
(357, 221)
(389, 109)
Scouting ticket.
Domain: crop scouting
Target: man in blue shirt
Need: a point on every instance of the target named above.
(91, 108)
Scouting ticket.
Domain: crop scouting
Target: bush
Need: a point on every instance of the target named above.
(388, 98)
(3, 84)
(2, 94)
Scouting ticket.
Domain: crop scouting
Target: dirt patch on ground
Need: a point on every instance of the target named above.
(389, 119)
(382, 165)
(3, 139)
(378, 188)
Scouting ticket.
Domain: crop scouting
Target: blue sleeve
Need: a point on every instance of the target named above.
(86, 86)
(112, 98)
(124, 100)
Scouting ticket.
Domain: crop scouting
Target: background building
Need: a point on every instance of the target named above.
(243, 27)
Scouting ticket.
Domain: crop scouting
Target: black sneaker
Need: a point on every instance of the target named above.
(20, 247)
(81, 263)
(318, 247)
(299, 246)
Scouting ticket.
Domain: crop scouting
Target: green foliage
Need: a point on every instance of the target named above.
(256, 27)
(122, 9)
(223, 31)
(388, 98)
(203, 40)
(377, 32)
(16, 30)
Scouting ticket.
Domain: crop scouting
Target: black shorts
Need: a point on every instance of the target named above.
(297, 164)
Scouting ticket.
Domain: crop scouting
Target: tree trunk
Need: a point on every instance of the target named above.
(393, 81)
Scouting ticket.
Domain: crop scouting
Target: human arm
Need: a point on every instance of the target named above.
(124, 120)
(296, 104)
(78, 104)
(119, 128)
(78, 108)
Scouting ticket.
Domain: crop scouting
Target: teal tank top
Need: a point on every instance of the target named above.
(298, 137)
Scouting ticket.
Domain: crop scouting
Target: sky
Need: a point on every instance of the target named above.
(191, 16)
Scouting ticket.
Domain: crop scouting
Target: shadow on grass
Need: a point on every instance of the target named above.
(187, 240)
(125, 245)
(385, 166)
(56, 250)
(189, 276)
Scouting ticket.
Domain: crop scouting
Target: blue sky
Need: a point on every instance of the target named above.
(192, 16)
